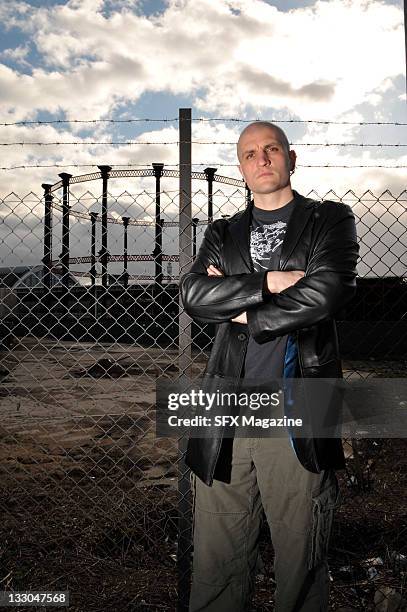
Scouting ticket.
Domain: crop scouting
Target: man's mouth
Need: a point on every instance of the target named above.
(264, 174)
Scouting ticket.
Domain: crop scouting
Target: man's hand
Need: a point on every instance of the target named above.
(242, 318)
(278, 281)
(212, 271)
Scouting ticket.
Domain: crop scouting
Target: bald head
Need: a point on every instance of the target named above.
(252, 127)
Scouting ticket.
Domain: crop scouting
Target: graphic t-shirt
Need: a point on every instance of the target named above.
(266, 361)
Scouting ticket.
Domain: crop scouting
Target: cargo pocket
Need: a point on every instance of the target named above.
(323, 507)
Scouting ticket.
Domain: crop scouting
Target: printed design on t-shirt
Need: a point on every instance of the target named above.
(264, 241)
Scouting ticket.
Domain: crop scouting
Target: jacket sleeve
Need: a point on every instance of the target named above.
(212, 299)
(329, 281)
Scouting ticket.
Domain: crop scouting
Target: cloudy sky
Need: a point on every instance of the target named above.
(336, 60)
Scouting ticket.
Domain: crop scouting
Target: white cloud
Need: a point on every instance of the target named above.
(17, 55)
(324, 58)
(319, 62)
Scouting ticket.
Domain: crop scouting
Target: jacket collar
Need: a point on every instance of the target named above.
(240, 230)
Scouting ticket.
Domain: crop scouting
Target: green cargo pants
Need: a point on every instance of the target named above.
(299, 507)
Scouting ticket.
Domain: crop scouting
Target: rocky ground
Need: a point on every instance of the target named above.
(89, 493)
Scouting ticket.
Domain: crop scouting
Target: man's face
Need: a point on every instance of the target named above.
(265, 163)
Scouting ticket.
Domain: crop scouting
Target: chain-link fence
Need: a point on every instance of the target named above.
(89, 319)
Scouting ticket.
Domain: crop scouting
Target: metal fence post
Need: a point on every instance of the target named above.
(93, 289)
(210, 173)
(125, 275)
(65, 228)
(185, 341)
(65, 295)
(158, 245)
(93, 217)
(104, 254)
(47, 259)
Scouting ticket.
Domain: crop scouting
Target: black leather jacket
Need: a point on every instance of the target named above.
(321, 240)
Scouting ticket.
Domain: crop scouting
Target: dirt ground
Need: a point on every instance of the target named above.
(89, 499)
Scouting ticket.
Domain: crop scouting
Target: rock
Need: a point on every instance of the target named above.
(106, 368)
(373, 561)
(387, 599)
(372, 573)
(398, 559)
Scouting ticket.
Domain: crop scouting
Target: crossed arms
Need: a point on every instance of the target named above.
(274, 282)
(276, 303)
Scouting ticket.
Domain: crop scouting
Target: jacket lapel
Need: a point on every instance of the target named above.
(240, 233)
(296, 225)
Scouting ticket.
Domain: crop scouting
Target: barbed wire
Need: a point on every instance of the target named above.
(318, 121)
(198, 119)
(195, 142)
(218, 165)
(58, 121)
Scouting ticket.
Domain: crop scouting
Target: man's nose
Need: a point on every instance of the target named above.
(262, 158)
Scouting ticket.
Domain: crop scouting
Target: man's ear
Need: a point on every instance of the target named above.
(293, 158)
(241, 171)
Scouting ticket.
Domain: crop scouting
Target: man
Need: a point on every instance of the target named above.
(272, 277)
